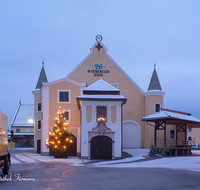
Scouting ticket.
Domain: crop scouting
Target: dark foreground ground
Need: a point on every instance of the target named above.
(59, 176)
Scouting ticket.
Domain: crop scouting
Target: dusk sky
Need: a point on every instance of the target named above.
(136, 33)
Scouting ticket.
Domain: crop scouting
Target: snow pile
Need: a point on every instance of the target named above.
(138, 160)
(177, 162)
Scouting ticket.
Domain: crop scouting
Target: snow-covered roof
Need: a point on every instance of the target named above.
(101, 85)
(99, 96)
(101, 90)
(172, 117)
(23, 133)
(24, 113)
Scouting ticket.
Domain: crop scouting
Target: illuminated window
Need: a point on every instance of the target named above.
(39, 106)
(172, 134)
(101, 113)
(66, 115)
(39, 124)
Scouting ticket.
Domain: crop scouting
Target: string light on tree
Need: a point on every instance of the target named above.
(59, 137)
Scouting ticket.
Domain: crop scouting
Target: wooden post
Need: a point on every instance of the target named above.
(176, 134)
(155, 134)
(165, 144)
(185, 134)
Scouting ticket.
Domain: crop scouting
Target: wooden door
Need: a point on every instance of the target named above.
(39, 146)
(101, 147)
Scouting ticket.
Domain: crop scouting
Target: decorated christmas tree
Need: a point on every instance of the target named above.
(59, 138)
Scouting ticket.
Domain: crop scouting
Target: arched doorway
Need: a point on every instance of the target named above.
(101, 147)
(131, 134)
(38, 141)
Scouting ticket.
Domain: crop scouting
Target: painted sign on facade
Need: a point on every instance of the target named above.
(98, 70)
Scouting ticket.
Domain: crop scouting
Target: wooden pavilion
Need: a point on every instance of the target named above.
(163, 119)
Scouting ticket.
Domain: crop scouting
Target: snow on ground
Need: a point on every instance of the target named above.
(138, 160)
(74, 161)
(14, 161)
(176, 162)
(24, 158)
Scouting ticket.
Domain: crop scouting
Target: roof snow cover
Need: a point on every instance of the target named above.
(99, 96)
(102, 91)
(166, 115)
(101, 85)
(23, 114)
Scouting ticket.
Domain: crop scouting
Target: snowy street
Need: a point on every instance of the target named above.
(139, 159)
(137, 172)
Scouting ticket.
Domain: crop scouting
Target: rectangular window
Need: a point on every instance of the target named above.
(157, 107)
(190, 130)
(27, 130)
(101, 113)
(172, 134)
(17, 130)
(39, 125)
(39, 107)
(64, 96)
(66, 115)
(189, 138)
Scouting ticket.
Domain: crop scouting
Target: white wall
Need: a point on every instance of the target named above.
(116, 127)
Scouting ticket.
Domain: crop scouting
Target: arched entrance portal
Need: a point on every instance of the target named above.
(38, 142)
(131, 134)
(101, 147)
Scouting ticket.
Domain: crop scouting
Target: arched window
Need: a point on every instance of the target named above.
(157, 107)
(39, 106)
(39, 124)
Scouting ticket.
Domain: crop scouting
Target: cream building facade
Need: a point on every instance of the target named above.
(123, 117)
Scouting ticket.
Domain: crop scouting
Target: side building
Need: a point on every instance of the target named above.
(22, 125)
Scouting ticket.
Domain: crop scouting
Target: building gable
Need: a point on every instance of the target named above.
(99, 65)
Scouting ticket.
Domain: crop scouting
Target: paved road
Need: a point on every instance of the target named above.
(58, 176)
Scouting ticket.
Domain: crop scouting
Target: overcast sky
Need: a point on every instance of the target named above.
(136, 33)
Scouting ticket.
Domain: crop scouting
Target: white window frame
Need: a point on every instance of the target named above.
(155, 107)
(37, 107)
(174, 134)
(69, 111)
(41, 124)
(58, 95)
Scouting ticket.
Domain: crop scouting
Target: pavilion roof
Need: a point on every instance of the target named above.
(173, 118)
